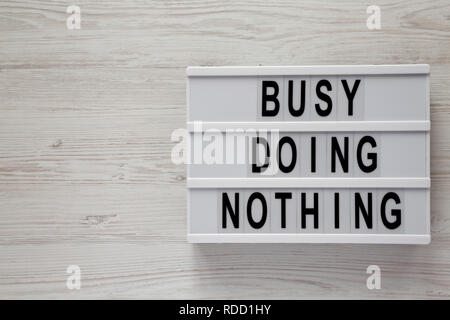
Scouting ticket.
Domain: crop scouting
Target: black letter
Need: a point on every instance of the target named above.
(283, 196)
(292, 111)
(335, 149)
(313, 154)
(370, 156)
(272, 97)
(324, 97)
(290, 167)
(314, 211)
(255, 167)
(253, 223)
(395, 212)
(336, 210)
(350, 94)
(234, 214)
(367, 214)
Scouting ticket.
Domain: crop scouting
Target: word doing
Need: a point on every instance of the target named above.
(340, 152)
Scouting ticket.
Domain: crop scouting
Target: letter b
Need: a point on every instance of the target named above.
(272, 97)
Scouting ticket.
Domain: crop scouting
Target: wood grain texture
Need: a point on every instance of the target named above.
(85, 123)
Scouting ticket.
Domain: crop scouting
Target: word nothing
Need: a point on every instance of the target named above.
(256, 209)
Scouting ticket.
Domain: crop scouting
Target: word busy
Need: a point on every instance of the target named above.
(323, 96)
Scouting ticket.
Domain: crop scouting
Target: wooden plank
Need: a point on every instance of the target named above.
(141, 34)
(85, 123)
(176, 270)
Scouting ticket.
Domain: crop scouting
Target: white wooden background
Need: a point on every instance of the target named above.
(85, 123)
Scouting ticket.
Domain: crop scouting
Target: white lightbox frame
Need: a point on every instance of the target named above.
(307, 182)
